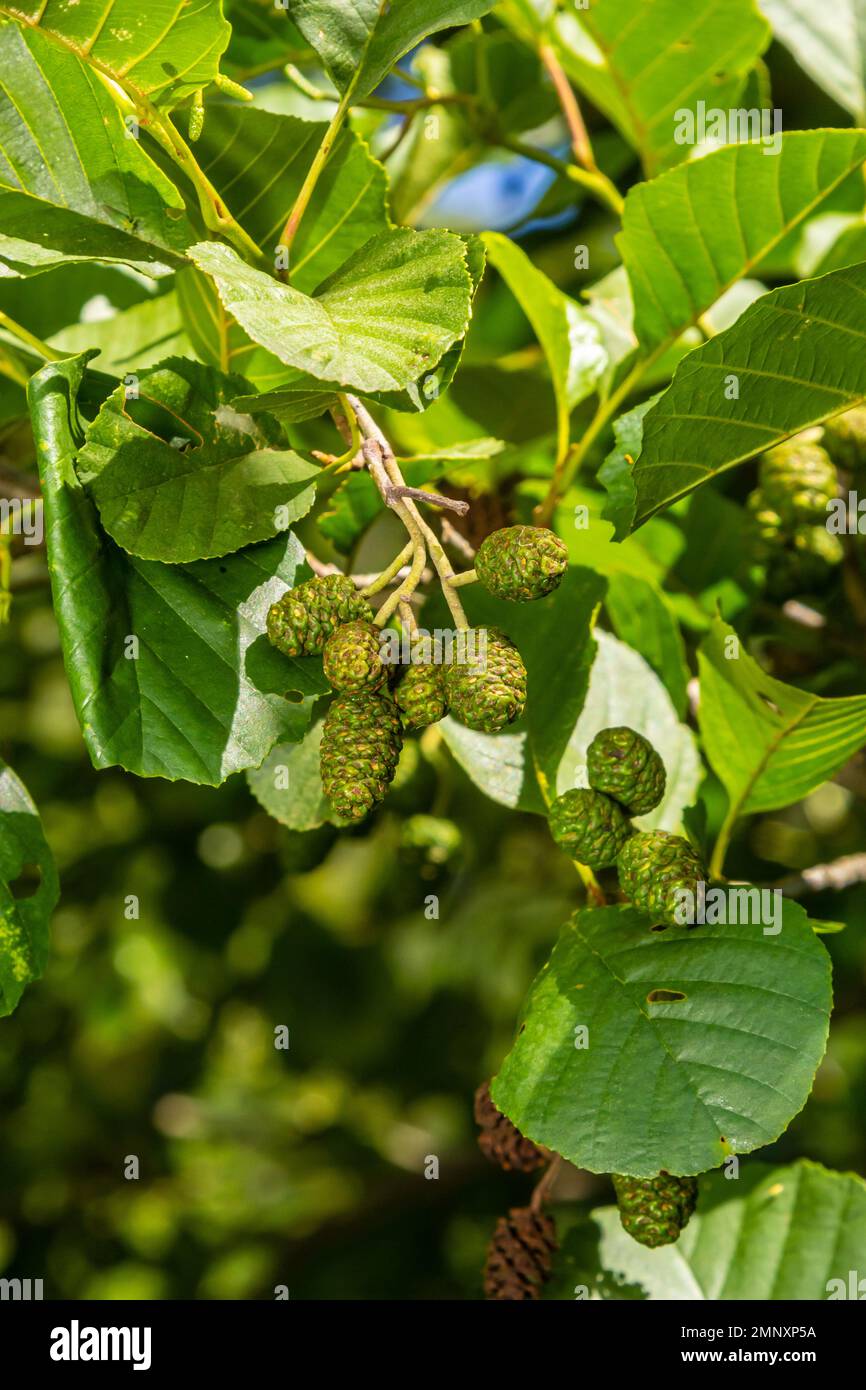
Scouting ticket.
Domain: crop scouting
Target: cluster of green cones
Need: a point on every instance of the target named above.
(483, 684)
(593, 825)
(788, 511)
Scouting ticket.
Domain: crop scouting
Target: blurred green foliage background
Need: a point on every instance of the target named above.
(155, 1037)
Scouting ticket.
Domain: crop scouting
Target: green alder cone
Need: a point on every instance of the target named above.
(845, 438)
(421, 696)
(798, 480)
(655, 1210)
(653, 867)
(352, 659)
(361, 742)
(521, 563)
(589, 826)
(490, 691)
(300, 623)
(623, 764)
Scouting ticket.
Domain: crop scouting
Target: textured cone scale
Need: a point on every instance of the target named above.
(301, 621)
(420, 695)
(624, 765)
(589, 827)
(798, 480)
(654, 1210)
(352, 658)
(361, 743)
(500, 1140)
(653, 868)
(845, 439)
(489, 691)
(520, 1255)
(521, 563)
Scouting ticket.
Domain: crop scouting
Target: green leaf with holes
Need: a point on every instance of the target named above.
(178, 474)
(677, 1083)
(769, 743)
(157, 655)
(162, 51)
(691, 234)
(388, 315)
(28, 890)
(73, 186)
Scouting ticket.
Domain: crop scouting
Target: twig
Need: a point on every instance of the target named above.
(541, 1191)
(840, 873)
(433, 498)
(381, 581)
(386, 474)
(451, 536)
(580, 142)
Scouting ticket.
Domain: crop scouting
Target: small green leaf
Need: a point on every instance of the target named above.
(769, 743)
(568, 334)
(385, 317)
(25, 905)
(358, 41)
(178, 474)
(675, 1085)
(156, 654)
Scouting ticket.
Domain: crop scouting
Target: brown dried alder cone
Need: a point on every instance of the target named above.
(501, 1141)
(520, 1255)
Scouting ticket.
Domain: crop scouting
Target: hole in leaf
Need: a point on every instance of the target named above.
(664, 996)
(158, 420)
(294, 697)
(660, 926)
(771, 704)
(27, 884)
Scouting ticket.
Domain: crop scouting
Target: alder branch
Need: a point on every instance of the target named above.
(838, 874)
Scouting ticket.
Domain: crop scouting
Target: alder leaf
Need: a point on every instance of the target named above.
(770, 744)
(691, 234)
(567, 332)
(178, 474)
(677, 1085)
(358, 41)
(388, 315)
(258, 162)
(163, 51)
(156, 654)
(73, 186)
(642, 62)
(793, 358)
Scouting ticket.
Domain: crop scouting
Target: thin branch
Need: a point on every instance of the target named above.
(433, 498)
(580, 142)
(542, 1190)
(840, 873)
(592, 180)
